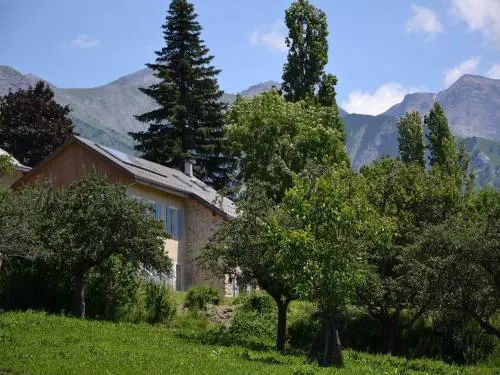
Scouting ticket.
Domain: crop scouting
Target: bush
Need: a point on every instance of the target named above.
(199, 296)
(303, 330)
(257, 301)
(160, 304)
(112, 289)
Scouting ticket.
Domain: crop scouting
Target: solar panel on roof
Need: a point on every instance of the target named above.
(119, 155)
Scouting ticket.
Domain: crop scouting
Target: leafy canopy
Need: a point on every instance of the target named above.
(33, 125)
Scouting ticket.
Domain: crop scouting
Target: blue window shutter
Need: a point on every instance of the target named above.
(158, 211)
(168, 222)
(175, 222)
(180, 218)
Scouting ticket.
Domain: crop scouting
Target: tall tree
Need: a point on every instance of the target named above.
(189, 122)
(411, 142)
(303, 73)
(277, 139)
(33, 124)
(441, 142)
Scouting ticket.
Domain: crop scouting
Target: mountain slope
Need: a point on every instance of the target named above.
(472, 105)
(105, 114)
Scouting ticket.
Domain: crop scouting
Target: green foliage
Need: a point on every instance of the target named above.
(189, 123)
(199, 296)
(160, 305)
(31, 135)
(6, 166)
(411, 142)
(441, 142)
(257, 301)
(308, 51)
(276, 139)
(112, 289)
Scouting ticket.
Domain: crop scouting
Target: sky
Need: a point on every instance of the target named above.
(379, 50)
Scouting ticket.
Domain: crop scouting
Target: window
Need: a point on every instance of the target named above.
(174, 222)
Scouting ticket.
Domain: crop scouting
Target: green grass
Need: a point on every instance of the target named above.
(36, 343)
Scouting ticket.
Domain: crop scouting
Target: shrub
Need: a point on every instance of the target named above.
(160, 305)
(303, 330)
(112, 289)
(199, 296)
(257, 301)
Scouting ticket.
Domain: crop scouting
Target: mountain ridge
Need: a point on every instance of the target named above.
(105, 114)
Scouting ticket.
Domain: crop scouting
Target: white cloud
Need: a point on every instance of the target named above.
(470, 66)
(494, 71)
(85, 41)
(364, 102)
(274, 38)
(424, 20)
(480, 15)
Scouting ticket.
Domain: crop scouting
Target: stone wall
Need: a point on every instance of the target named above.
(201, 224)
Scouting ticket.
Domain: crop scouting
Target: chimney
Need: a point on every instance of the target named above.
(188, 167)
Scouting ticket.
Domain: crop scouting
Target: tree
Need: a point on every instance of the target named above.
(275, 139)
(411, 143)
(329, 226)
(441, 142)
(251, 247)
(189, 122)
(457, 262)
(90, 221)
(18, 225)
(6, 166)
(33, 124)
(308, 51)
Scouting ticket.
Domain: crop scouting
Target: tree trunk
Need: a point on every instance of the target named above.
(326, 349)
(391, 333)
(79, 296)
(281, 333)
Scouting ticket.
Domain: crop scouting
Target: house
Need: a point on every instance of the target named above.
(190, 209)
(19, 170)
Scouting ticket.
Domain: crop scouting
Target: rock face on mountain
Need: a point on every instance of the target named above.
(472, 104)
(106, 113)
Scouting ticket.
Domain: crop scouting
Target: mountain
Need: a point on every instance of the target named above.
(472, 105)
(105, 114)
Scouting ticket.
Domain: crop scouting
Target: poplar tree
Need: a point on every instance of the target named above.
(411, 143)
(189, 120)
(441, 144)
(303, 73)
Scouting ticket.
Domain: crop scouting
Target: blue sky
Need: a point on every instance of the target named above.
(379, 49)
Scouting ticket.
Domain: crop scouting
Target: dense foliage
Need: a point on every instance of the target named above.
(33, 125)
(188, 124)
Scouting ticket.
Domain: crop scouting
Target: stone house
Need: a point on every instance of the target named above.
(19, 170)
(191, 211)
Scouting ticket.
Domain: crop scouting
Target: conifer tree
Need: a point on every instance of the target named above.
(411, 143)
(189, 122)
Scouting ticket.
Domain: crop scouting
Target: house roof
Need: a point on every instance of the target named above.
(155, 175)
(17, 165)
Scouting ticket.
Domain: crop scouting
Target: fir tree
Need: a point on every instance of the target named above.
(411, 143)
(189, 122)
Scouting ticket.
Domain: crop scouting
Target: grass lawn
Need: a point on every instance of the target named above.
(36, 343)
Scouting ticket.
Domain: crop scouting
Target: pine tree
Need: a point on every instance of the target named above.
(441, 145)
(189, 123)
(411, 143)
(303, 72)
(33, 124)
